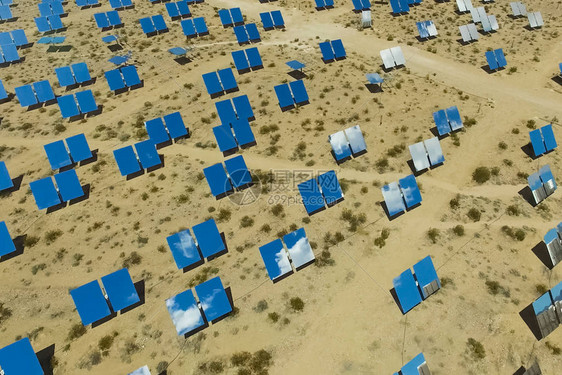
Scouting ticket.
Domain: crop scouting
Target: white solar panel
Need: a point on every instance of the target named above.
(356, 139)
(468, 5)
(338, 142)
(387, 59)
(473, 32)
(475, 15)
(432, 29)
(522, 9)
(461, 6)
(434, 151)
(464, 33)
(398, 55)
(484, 19)
(493, 22)
(540, 21)
(532, 19)
(419, 156)
(515, 8)
(366, 20)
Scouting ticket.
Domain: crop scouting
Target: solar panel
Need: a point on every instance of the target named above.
(493, 22)
(79, 148)
(275, 259)
(240, 60)
(407, 291)
(113, 18)
(311, 196)
(3, 93)
(200, 25)
(184, 312)
(217, 179)
(212, 83)
(374, 78)
(90, 302)
(357, 5)
(419, 156)
(6, 243)
(427, 277)
(25, 95)
(548, 136)
(299, 248)
(243, 107)
(413, 367)
(5, 179)
(5, 13)
(283, 95)
(55, 22)
(65, 77)
(434, 151)
(148, 156)
(141, 371)
(183, 8)
(266, 20)
(147, 25)
(157, 131)
(339, 50)
(547, 179)
(241, 34)
(225, 17)
(454, 118)
(67, 105)
(183, 249)
(130, 75)
(253, 33)
(491, 59)
(213, 298)
(422, 29)
(10, 53)
(159, 23)
(120, 289)
(393, 199)
(101, 20)
(330, 187)
(327, 52)
(387, 58)
(410, 191)
(225, 111)
(500, 57)
(545, 313)
(69, 185)
(188, 28)
(86, 101)
(57, 154)
(295, 65)
(6, 38)
(227, 79)
(398, 56)
(254, 57)
(238, 171)
(340, 145)
(225, 138)
(299, 92)
(19, 37)
(537, 142)
(20, 358)
(243, 132)
(43, 91)
(127, 160)
(278, 20)
(440, 119)
(208, 238)
(356, 140)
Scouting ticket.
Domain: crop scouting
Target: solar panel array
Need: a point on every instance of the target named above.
(496, 59)
(35, 93)
(392, 57)
(553, 242)
(469, 32)
(247, 33)
(16, 37)
(220, 82)
(427, 154)
(9, 53)
(400, 6)
(360, 5)
(93, 305)
(321, 191)
(221, 182)
(447, 120)
(426, 29)
(133, 160)
(416, 366)
(246, 60)
(153, 25)
(548, 310)
(291, 94)
(108, 19)
(51, 8)
(282, 260)
(120, 4)
(76, 104)
(123, 78)
(74, 74)
(324, 4)
(163, 129)
(189, 251)
(189, 315)
(332, 50)
(535, 19)
(543, 140)
(51, 40)
(273, 19)
(72, 150)
(194, 27)
(411, 289)
(231, 17)
(20, 358)
(86, 3)
(489, 23)
(542, 184)
(401, 196)
(178, 9)
(67, 188)
(348, 142)
(49, 23)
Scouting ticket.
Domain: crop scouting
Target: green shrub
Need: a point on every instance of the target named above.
(433, 234)
(474, 214)
(296, 304)
(476, 349)
(458, 230)
(481, 174)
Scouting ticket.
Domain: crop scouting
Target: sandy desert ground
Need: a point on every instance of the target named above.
(350, 323)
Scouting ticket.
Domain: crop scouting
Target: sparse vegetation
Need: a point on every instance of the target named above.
(481, 174)
(476, 349)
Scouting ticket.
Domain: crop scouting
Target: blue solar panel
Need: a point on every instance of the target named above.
(410, 191)
(224, 138)
(6, 243)
(120, 289)
(118, 60)
(253, 33)
(86, 101)
(284, 96)
(266, 20)
(184, 312)
(357, 6)
(243, 132)
(330, 187)
(295, 65)
(19, 358)
(238, 171)
(208, 238)
(56, 7)
(227, 79)
(10, 52)
(183, 8)
(422, 29)
(114, 19)
(178, 51)
(425, 274)
(45, 193)
(411, 368)
(327, 52)
(440, 118)
(278, 20)
(127, 160)
(236, 14)
(298, 247)
(172, 9)
(407, 291)
(148, 156)
(183, 249)
(188, 28)
(491, 58)
(5, 179)
(537, 142)
(548, 136)
(3, 93)
(147, 25)
(226, 19)
(311, 196)
(55, 22)
(254, 57)
(25, 95)
(241, 34)
(43, 91)
(69, 185)
(212, 83)
(67, 105)
(225, 111)
(546, 175)
(374, 78)
(217, 179)
(299, 92)
(159, 22)
(57, 154)
(5, 13)
(130, 75)
(58, 39)
(19, 37)
(200, 25)
(542, 303)
(243, 107)
(79, 148)
(65, 77)
(319, 3)
(213, 299)
(275, 259)
(90, 302)
(5, 38)
(500, 57)
(44, 9)
(454, 118)
(109, 38)
(240, 60)
(176, 127)
(115, 4)
(339, 50)
(157, 131)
